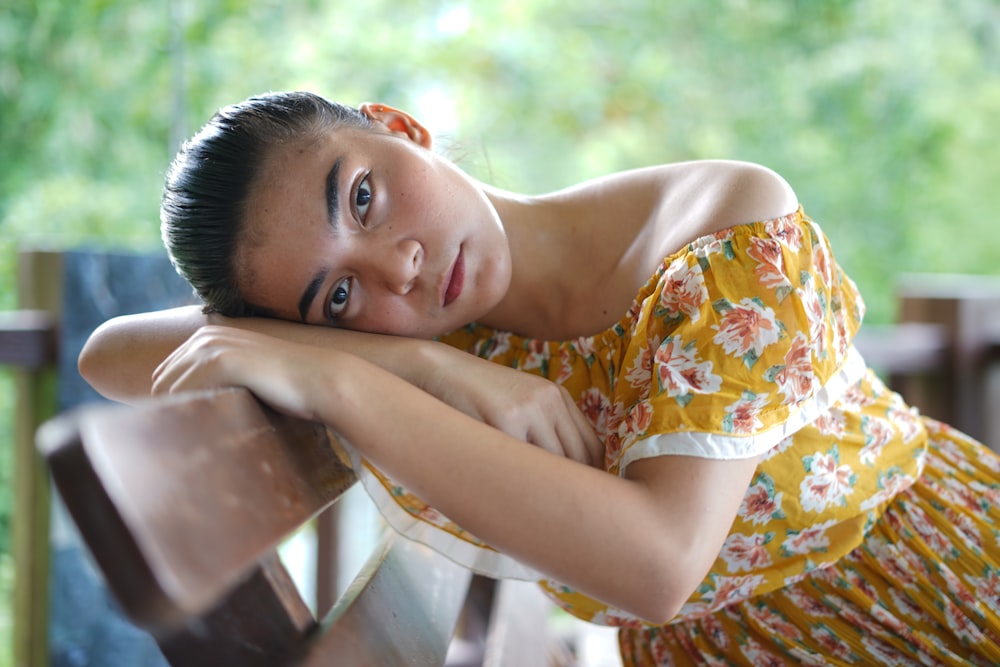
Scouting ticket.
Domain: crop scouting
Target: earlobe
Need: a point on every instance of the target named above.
(397, 122)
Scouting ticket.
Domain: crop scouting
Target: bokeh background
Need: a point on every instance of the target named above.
(882, 114)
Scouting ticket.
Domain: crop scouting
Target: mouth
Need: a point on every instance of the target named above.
(455, 279)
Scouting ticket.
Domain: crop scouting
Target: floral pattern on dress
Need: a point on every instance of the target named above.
(735, 335)
(742, 337)
(903, 597)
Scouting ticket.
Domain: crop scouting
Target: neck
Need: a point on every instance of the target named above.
(549, 248)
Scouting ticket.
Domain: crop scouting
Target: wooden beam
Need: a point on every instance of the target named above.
(903, 349)
(400, 611)
(262, 618)
(39, 289)
(518, 633)
(27, 338)
(327, 526)
(967, 308)
(177, 497)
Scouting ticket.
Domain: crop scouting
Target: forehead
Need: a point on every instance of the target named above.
(286, 220)
(293, 174)
(284, 200)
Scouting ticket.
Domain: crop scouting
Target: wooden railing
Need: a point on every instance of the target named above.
(182, 541)
(182, 502)
(942, 355)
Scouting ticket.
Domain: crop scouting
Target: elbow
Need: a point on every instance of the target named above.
(660, 601)
(104, 364)
(94, 360)
(666, 585)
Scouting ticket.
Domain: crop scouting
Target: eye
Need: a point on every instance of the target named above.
(339, 298)
(362, 198)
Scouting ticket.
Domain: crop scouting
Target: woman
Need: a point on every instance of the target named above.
(770, 500)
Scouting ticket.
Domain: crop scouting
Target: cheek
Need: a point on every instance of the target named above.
(494, 278)
(388, 316)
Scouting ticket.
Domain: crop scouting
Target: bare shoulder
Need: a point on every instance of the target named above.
(623, 225)
(692, 198)
(706, 196)
(687, 200)
(748, 192)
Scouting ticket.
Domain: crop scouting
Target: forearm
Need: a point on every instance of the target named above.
(612, 538)
(641, 543)
(120, 356)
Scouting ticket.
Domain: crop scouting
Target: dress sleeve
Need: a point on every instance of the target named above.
(745, 340)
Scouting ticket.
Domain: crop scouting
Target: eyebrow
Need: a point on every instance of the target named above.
(332, 214)
(333, 192)
(311, 289)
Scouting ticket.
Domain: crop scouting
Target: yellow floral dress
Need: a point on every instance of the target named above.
(869, 535)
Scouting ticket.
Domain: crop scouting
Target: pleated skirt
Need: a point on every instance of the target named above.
(922, 589)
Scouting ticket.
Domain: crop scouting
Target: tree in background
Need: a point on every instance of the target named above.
(880, 113)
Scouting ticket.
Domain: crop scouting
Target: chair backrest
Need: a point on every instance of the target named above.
(182, 502)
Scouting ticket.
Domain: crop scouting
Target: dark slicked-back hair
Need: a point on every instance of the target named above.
(208, 186)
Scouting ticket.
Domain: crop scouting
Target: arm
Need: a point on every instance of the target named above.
(642, 543)
(120, 356)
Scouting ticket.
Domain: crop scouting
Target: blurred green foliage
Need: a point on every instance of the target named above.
(880, 113)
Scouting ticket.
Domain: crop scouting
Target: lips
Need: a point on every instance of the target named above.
(455, 279)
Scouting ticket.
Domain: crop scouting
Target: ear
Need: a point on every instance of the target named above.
(397, 122)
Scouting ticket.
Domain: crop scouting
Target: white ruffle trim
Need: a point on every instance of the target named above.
(491, 563)
(481, 560)
(719, 446)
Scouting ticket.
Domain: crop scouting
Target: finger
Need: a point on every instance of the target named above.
(166, 372)
(572, 443)
(165, 375)
(593, 443)
(548, 440)
(184, 370)
(575, 441)
(176, 377)
(567, 431)
(589, 439)
(165, 365)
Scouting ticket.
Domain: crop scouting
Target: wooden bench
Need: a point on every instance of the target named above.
(168, 595)
(183, 502)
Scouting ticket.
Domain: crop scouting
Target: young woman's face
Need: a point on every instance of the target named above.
(371, 231)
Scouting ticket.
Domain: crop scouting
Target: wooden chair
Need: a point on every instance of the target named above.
(182, 503)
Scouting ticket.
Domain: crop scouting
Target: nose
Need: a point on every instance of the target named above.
(403, 266)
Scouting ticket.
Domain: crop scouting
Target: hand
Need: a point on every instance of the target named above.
(287, 376)
(525, 406)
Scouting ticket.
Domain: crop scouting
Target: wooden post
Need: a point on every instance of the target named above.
(968, 309)
(261, 618)
(39, 288)
(327, 526)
